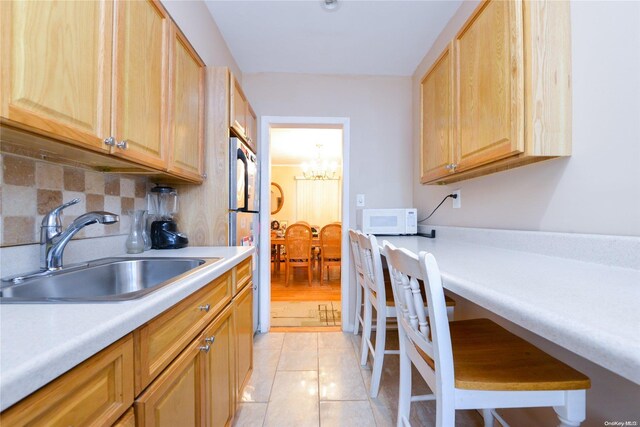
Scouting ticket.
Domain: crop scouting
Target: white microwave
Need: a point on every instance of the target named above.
(387, 221)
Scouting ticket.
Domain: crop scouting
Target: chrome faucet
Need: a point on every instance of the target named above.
(53, 240)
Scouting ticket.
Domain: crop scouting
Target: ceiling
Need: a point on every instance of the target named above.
(383, 37)
(291, 146)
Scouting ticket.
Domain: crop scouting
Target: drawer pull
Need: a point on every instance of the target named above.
(205, 307)
(210, 340)
(204, 348)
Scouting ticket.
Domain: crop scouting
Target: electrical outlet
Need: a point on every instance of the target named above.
(457, 202)
(360, 200)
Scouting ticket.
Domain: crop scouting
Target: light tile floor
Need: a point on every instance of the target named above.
(315, 379)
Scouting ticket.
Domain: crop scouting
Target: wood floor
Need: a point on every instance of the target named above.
(299, 289)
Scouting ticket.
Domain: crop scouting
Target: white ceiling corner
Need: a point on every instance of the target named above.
(362, 37)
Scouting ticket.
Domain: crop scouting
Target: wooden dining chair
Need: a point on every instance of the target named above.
(471, 364)
(330, 248)
(297, 243)
(357, 264)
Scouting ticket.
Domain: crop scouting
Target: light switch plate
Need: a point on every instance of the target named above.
(360, 200)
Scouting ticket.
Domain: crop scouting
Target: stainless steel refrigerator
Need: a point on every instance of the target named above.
(244, 207)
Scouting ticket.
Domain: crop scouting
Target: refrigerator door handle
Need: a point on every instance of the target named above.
(245, 196)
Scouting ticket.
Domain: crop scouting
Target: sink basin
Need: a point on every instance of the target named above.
(104, 280)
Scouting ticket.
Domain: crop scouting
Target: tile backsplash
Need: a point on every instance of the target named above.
(30, 188)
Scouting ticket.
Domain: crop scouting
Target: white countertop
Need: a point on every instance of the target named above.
(590, 309)
(39, 342)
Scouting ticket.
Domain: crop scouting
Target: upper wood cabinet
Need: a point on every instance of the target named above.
(56, 69)
(113, 77)
(437, 125)
(489, 85)
(252, 128)
(140, 87)
(242, 119)
(187, 114)
(511, 83)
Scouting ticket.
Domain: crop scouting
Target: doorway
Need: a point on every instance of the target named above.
(303, 181)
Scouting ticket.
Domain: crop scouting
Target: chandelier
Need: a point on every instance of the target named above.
(318, 168)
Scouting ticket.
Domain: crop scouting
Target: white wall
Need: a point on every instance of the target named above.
(379, 109)
(597, 189)
(196, 22)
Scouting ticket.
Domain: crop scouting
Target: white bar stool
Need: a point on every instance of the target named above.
(471, 364)
(355, 254)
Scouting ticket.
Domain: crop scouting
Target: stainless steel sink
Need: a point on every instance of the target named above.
(104, 280)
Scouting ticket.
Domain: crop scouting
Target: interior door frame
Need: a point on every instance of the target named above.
(264, 156)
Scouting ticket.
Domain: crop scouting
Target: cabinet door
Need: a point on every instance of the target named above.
(437, 111)
(252, 128)
(219, 370)
(141, 81)
(175, 398)
(489, 84)
(56, 68)
(187, 110)
(237, 108)
(127, 420)
(243, 324)
(95, 393)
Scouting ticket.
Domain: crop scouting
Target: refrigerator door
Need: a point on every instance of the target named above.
(243, 179)
(241, 228)
(244, 231)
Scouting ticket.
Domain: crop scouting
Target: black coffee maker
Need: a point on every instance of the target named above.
(162, 204)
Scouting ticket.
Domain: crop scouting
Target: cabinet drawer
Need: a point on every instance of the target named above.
(94, 393)
(160, 341)
(243, 275)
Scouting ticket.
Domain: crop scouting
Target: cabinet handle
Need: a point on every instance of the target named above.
(210, 340)
(451, 167)
(205, 307)
(204, 348)
(111, 142)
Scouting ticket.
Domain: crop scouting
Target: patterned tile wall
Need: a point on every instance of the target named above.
(30, 188)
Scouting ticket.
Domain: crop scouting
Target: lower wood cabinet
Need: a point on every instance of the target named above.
(176, 397)
(127, 420)
(190, 364)
(243, 324)
(219, 370)
(95, 393)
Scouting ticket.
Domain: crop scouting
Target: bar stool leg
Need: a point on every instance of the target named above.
(488, 417)
(378, 352)
(404, 392)
(574, 410)
(356, 325)
(366, 330)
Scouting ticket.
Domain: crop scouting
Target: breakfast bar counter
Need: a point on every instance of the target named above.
(588, 308)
